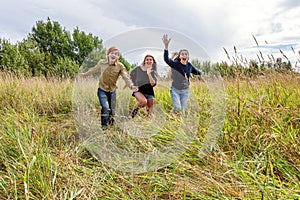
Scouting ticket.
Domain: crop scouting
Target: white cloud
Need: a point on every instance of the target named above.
(212, 24)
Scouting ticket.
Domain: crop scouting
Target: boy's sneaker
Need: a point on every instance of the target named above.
(133, 113)
(104, 127)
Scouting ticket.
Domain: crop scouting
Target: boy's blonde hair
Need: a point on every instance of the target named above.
(113, 48)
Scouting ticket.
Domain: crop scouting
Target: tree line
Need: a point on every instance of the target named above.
(51, 50)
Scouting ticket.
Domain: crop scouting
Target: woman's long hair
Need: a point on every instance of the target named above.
(177, 56)
(154, 65)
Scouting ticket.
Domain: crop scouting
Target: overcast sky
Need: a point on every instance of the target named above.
(209, 24)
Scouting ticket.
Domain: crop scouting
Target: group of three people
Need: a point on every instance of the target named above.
(141, 81)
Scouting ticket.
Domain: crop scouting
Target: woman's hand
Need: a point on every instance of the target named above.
(149, 70)
(166, 41)
(134, 88)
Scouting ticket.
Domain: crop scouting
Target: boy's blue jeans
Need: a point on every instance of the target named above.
(108, 106)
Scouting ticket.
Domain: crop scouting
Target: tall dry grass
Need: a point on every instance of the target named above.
(256, 157)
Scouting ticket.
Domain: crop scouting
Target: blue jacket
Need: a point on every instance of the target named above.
(180, 73)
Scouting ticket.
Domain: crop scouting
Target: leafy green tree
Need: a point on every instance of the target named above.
(11, 59)
(65, 67)
(50, 50)
(51, 38)
(84, 44)
(54, 40)
(39, 62)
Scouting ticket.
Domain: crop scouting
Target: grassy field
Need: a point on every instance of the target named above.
(257, 155)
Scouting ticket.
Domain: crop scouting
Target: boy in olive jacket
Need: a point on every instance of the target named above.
(110, 70)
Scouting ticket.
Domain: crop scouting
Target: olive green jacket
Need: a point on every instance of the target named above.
(109, 75)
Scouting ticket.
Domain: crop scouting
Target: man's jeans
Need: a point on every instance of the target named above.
(108, 106)
(179, 99)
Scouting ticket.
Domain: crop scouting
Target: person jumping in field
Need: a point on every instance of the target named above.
(110, 70)
(144, 77)
(181, 72)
